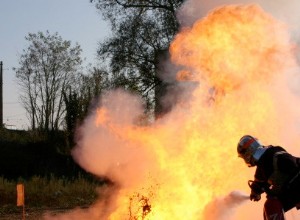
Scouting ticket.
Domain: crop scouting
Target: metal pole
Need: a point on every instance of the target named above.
(1, 95)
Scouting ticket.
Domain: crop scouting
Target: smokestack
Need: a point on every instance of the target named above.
(1, 95)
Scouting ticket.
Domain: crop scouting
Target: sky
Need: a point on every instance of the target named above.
(75, 20)
(78, 21)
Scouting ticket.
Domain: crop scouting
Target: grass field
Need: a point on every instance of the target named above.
(41, 194)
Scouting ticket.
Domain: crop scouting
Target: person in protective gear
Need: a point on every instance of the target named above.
(277, 174)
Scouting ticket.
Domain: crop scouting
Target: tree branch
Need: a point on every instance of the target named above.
(154, 5)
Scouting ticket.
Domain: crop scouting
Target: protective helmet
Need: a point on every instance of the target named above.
(246, 149)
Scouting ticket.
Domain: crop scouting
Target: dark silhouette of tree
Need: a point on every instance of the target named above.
(141, 32)
(78, 101)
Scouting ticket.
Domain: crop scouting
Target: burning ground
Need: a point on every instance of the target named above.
(184, 165)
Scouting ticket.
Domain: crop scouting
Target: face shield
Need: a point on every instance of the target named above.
(247, 148)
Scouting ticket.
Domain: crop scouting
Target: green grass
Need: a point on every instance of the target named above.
(47, 193)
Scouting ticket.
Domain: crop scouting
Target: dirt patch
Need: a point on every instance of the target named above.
(32, 214)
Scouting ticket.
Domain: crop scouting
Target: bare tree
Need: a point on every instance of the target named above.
(47, 67)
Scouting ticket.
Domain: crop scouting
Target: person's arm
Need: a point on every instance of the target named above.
(258, 186)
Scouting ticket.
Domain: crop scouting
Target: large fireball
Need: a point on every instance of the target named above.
(240, 57)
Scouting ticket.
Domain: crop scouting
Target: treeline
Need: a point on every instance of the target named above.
(57, 91)
(24, 154)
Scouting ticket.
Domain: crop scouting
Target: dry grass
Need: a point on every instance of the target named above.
(47, 194)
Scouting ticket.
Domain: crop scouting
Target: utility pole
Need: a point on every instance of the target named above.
(1, 95)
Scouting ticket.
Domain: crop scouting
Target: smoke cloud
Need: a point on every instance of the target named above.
(222, 208)
(106, 148)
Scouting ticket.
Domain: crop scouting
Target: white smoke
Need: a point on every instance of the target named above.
(103, 148)
(223, 208)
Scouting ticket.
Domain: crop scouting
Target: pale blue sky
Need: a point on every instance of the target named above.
(75, 20)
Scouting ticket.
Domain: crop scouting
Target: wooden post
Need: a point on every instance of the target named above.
(21, 198)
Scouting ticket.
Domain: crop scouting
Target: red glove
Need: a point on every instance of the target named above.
(254, 196)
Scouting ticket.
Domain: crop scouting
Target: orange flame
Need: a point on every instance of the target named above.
(233, 45)
(175, 167)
